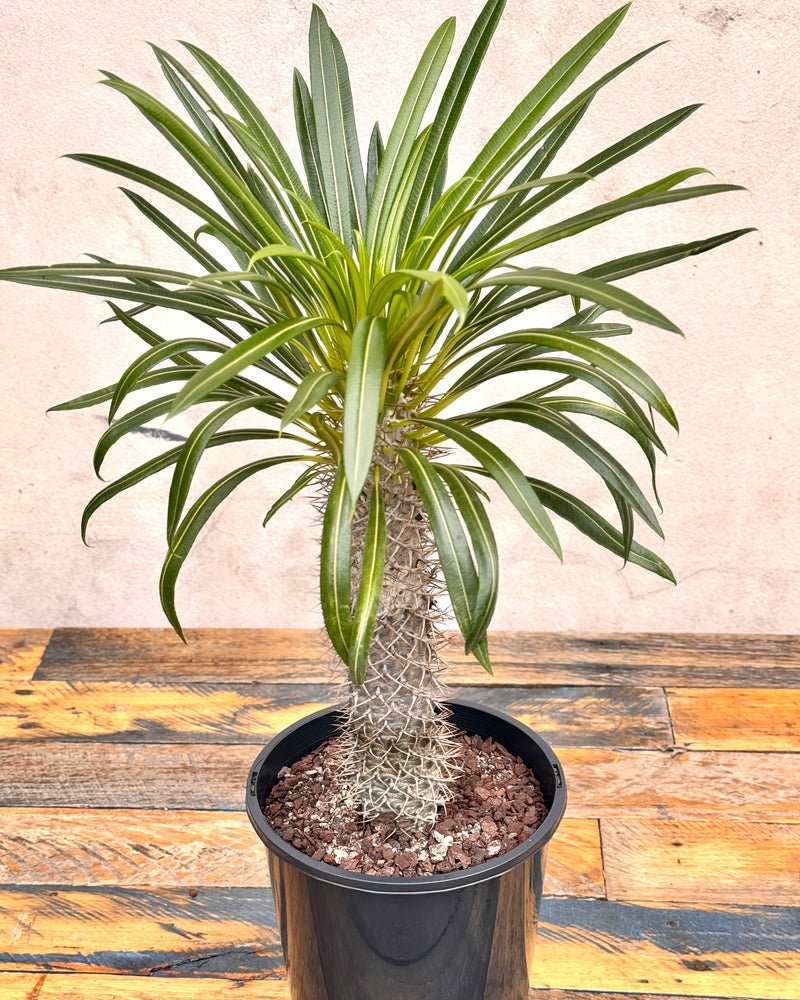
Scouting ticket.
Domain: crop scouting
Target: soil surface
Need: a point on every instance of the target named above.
(498, 804)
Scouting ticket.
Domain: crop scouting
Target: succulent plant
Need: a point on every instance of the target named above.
(352, 314)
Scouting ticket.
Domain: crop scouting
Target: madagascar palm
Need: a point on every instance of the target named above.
(356, 311)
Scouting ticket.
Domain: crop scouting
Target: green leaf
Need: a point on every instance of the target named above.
(392, 172)
(171, 190)
(602, 356)
(466, 496)
(434, 157)
(374, 157)
(577, 440)
(597, 528)
(195, 519)
(369, 591)
(311, 390)
(337, 139)
(452, 546)
(134, 420)
(245, 210)
(449, 288)
(306, 478)
(651, 196)
(362, 402)
(267, 140)
(309, 149)
(335, 567)
(160, 462)
(241, 356)
(192, 452)
(498, 154)
(587, 288)
(132, 375)
(505, 473)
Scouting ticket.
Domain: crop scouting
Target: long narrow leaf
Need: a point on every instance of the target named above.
(369, 591)
(239, 357)
(452, 546)
(305, 479)
(466, 496)
(401, 138)
(192, 452)
(577, 440)
(584, 287)
(192, 524)
(335, 567)
(158, 464)
(133, 374)
(337, 139)
(311, 390)
(447, 116)
(505, 473)
(362, 401)
(309, 148)
(597, 528)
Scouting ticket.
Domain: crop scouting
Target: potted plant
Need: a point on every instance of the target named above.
(351, 315)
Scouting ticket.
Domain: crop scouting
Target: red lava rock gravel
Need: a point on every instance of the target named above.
(498, 804)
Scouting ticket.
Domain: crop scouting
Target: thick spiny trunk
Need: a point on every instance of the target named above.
(401, 758)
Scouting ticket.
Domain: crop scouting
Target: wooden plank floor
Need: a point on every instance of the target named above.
(129, 872)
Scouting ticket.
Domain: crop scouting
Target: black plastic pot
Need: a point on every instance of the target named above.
(464, 935)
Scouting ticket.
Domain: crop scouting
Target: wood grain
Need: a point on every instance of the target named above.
(703, 951)
(743, 951)
(173, 848)
(229, 932)
(89, 986)
(519, 658)
(575, 860)
(701, 785)
(119, 712)
(701, 862)
(54, 986)
(688, 785)
(110, 775)
(736, 719)
(155, 713)
(21, 651)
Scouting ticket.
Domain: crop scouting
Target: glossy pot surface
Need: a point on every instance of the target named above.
(463, 935)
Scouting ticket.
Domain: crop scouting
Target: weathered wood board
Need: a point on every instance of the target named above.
(736, 719)
(704, 951)
(742, 951)
(100, 986)
(173, 848)
(21, 651)
(118, 712)
(79, 986)
(519, 658)
(701, 785)
(683, 785)
(701, 862)
(227, 932)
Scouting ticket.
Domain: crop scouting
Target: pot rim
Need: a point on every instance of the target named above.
(437, 882)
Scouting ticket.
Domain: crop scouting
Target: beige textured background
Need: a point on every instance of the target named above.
(730, 485)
